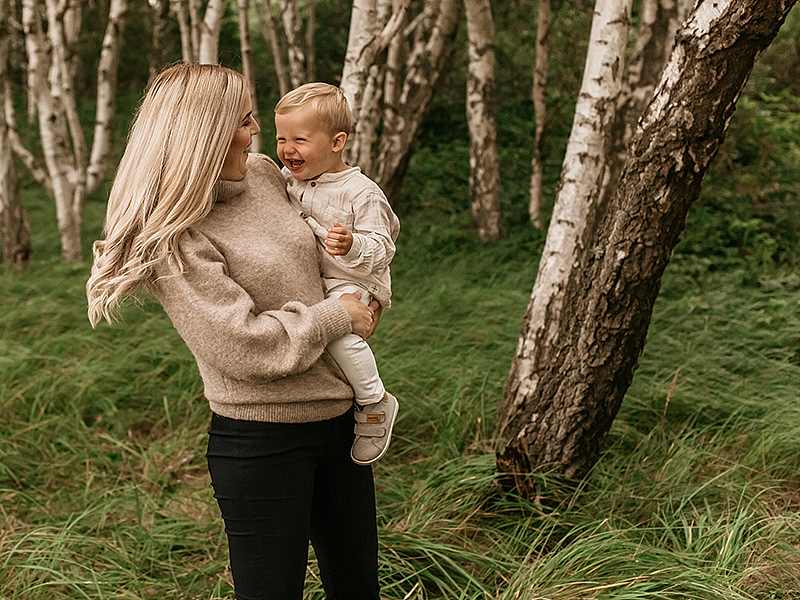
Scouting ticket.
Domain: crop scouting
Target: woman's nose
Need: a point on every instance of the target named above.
(255, 128)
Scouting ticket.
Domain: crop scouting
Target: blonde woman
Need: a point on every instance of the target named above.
(207, 229)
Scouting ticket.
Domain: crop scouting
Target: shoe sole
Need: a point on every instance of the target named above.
(388, 440)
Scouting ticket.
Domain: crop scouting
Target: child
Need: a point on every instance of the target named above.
(356, 229)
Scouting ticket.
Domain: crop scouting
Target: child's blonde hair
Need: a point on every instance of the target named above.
(329, 103)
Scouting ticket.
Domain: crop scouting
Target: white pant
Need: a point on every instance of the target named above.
(354, 356)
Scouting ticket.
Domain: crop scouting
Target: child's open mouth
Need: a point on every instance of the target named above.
(294, 165)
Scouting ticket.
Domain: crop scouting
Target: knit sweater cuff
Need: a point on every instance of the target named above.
(333, 319)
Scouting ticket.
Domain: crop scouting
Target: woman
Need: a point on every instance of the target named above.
(207, 229)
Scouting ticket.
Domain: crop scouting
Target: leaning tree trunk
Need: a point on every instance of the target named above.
(581, 184)
(484, 174)
(209, 33)
(563, 396)
(311, 47)
(539, 109)
(15, 241)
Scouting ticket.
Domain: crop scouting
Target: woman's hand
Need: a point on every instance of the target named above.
(376, 309)
(360, 315)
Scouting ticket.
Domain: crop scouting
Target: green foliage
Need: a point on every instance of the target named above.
(103, 486)
(104, 489)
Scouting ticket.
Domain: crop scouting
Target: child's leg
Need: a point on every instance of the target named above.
(355, 358)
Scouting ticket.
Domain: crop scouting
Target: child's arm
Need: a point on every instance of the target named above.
(370, 248)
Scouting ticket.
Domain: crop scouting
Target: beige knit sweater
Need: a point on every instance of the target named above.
(251, 309)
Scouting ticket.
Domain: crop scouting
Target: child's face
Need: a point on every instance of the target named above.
(304, 145)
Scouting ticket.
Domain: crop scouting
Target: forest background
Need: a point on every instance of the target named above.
(103, 486)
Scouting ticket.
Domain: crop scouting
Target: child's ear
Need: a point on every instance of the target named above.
(339, 141)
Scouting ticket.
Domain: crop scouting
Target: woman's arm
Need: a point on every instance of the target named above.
(218, 320)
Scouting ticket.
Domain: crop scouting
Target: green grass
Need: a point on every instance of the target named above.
(104, 491)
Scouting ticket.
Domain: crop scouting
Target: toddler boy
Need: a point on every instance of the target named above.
(356, 229)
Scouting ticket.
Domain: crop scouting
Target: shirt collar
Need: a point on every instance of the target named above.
(339, 176)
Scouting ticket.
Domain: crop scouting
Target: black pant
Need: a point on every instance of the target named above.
(279, 485)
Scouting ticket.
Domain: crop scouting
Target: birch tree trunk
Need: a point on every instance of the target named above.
(433, 32)
(582, 177)
(562, 396)
(538, 92)
(484, 177)
(61, 134)
(15, 241)
(106, 93)
(269, 31)
(364, 27)
(247, 62)
(55, 139)
(290, 16)
(180, 10)
(657, 27)
(311, 47)
(61, 87)
(159, 14)
(209, 36)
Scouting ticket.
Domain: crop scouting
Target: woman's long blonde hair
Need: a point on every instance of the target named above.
(165, 181)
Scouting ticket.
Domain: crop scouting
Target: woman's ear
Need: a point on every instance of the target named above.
(339, 141)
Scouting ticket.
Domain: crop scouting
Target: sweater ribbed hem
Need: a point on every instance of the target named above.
(333, 318)
(285, 412)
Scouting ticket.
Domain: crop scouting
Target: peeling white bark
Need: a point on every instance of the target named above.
(582, 179)
(561, 401)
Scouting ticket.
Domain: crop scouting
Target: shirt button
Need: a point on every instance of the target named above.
(313, 184)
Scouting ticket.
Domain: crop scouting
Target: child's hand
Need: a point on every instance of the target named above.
(338, 241)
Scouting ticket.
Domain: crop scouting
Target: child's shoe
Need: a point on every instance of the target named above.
(374, 424)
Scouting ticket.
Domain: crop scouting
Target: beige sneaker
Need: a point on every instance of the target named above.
(374, 424)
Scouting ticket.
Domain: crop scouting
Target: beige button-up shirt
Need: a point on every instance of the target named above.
(352, 199)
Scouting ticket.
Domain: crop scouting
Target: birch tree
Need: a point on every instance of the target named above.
(658, 23)
(209, 33)
(269, 31)
(373, 25)
(484, 178)
(15, 244)
(247, 62)
(432, 43)
(293, 51)
(582, 177)
(199, 35)
(395, 93)
(50, 74)
(159, 15)
(538, 91)
(563, 395)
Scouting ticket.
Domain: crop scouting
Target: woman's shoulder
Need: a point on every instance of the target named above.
(261, 163)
